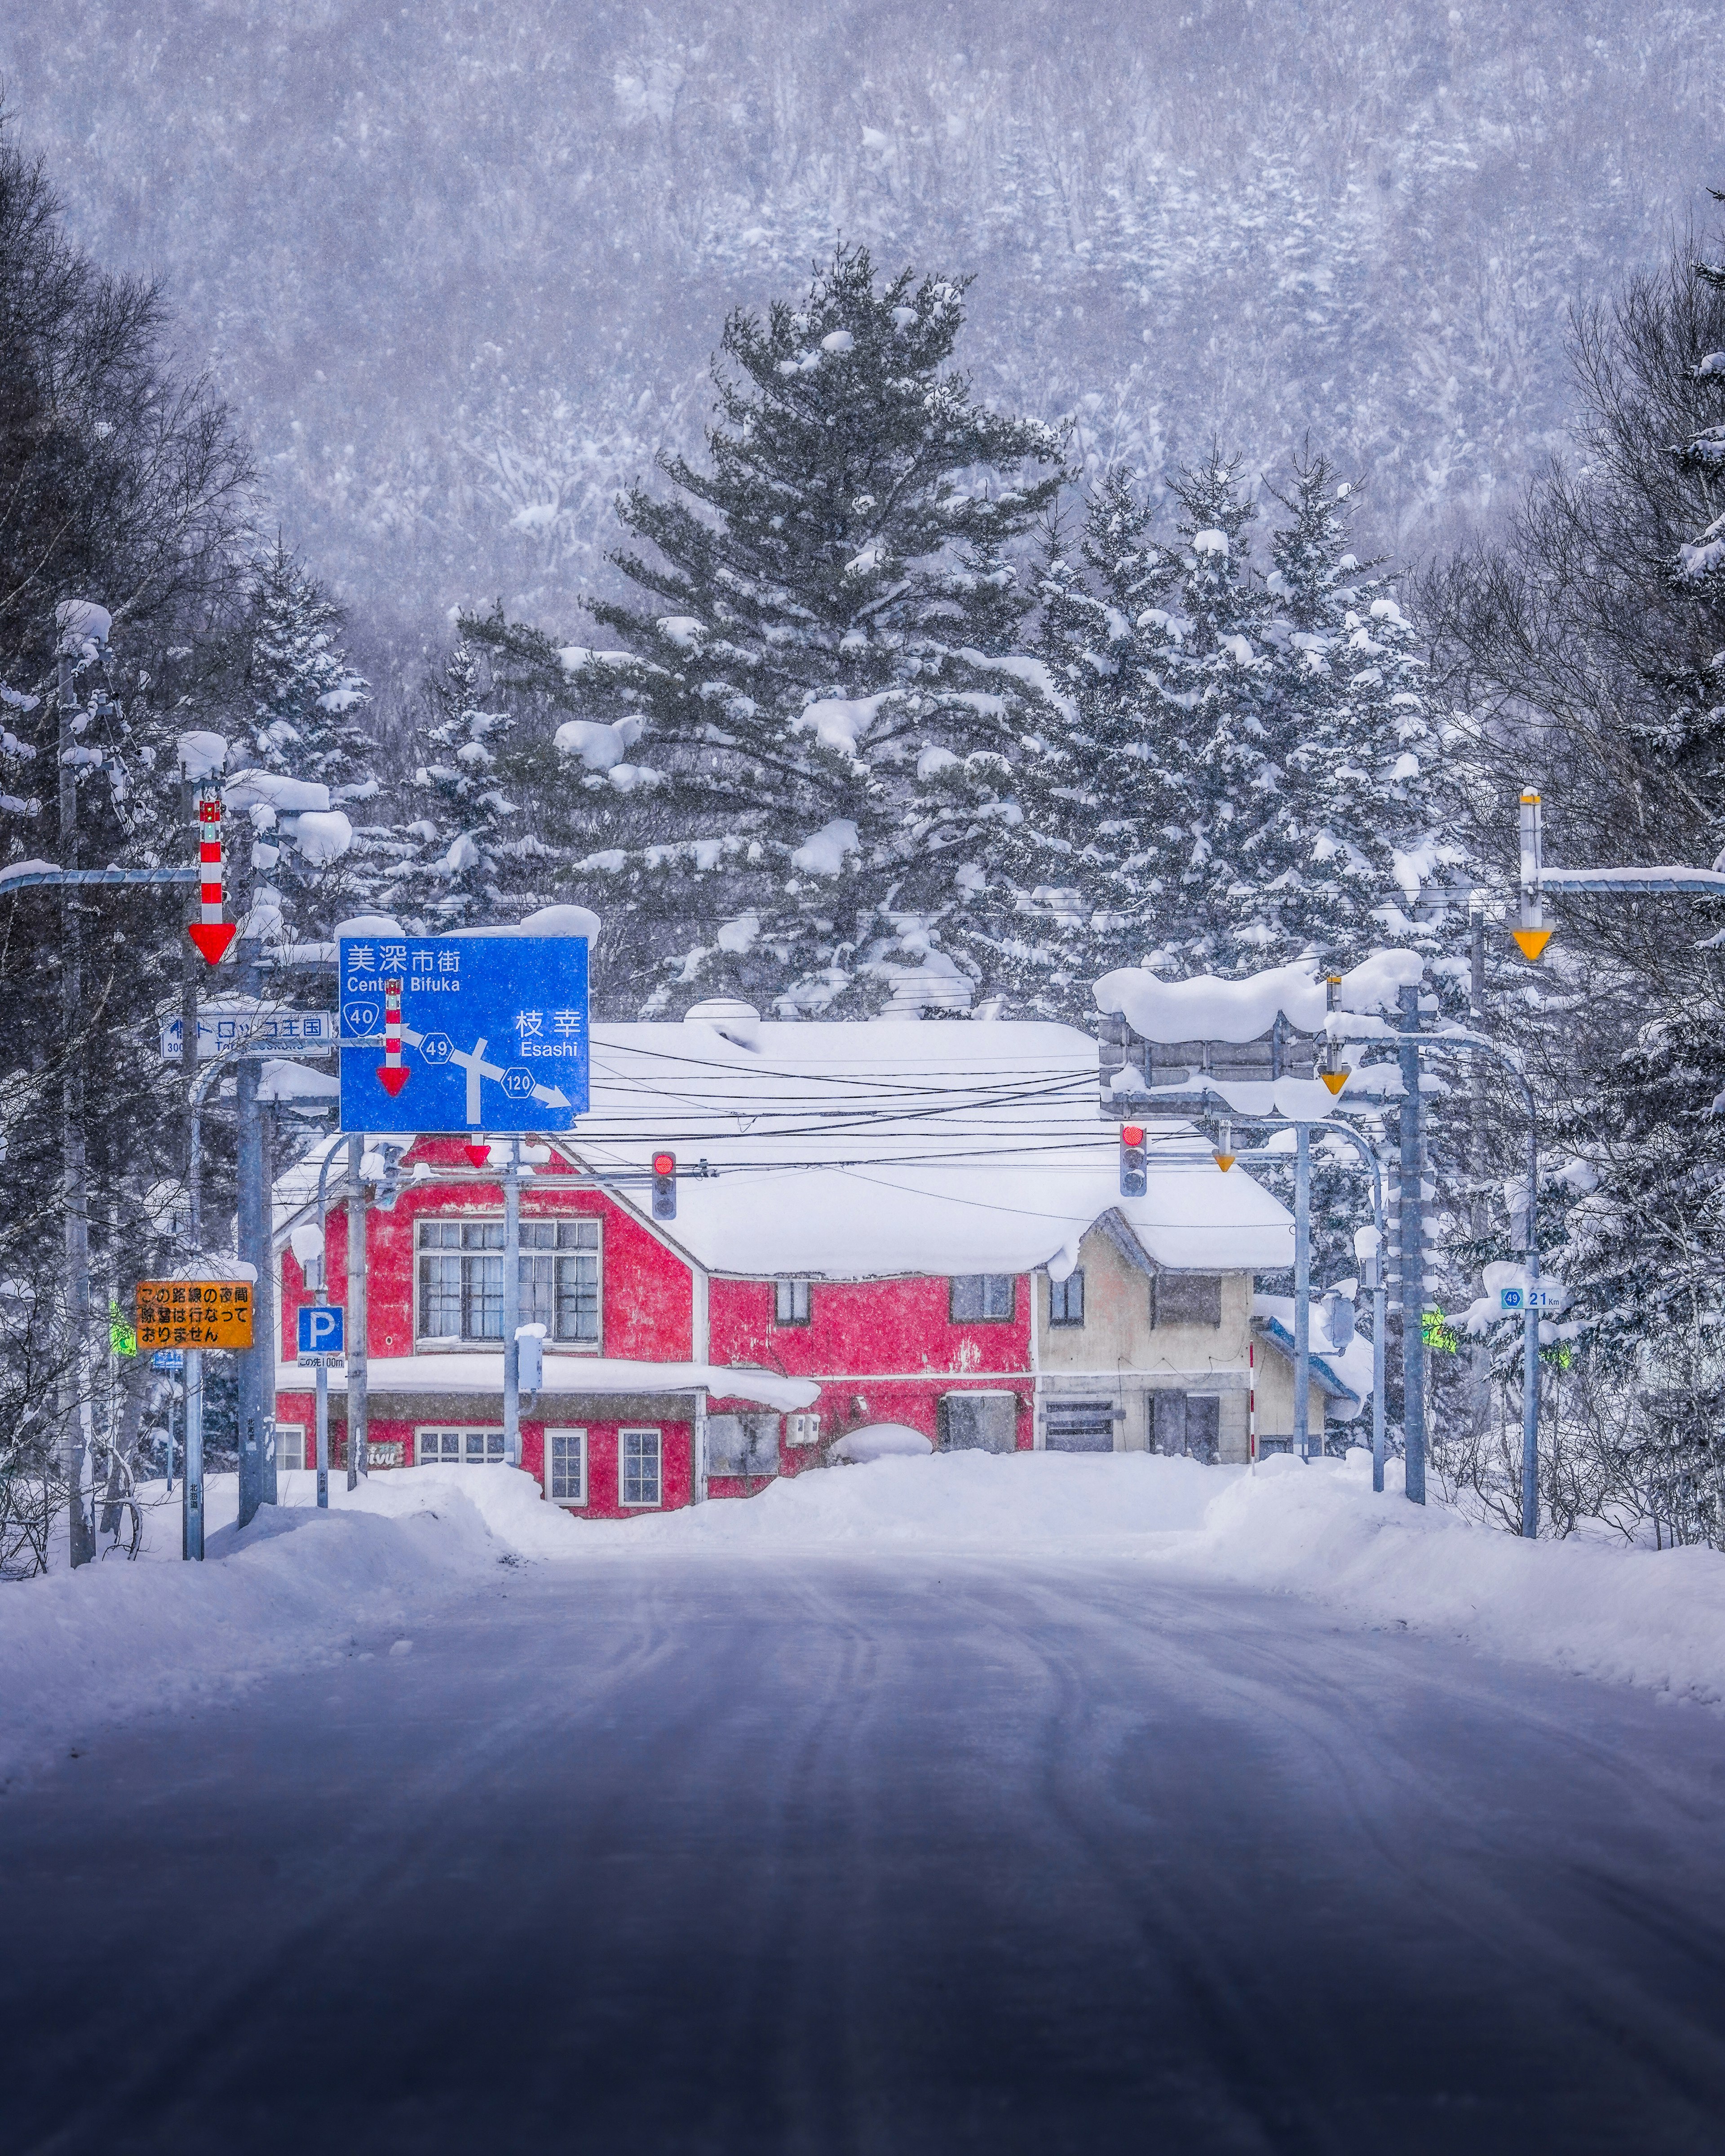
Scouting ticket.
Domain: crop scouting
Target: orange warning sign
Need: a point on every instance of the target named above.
(1335, 1079)
(1530, 941)
(194, 1314)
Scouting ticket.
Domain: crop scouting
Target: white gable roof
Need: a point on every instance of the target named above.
(853, 1151)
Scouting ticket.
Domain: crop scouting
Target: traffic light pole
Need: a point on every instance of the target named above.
(512, 1305)
(1302, 1292)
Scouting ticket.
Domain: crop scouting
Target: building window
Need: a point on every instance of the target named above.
(982, 1298)
(461, 1280)
(742, 1444)
(1078, 1425)
(978, 1422)
(459, 1448)
(1065, 1299)
(566, 1467)
(802, 1429)
(1186, 1299)
(638, 1479)
(290, 1445)
(790, 1302)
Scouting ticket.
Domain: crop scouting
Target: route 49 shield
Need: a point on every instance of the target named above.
(493, 1033)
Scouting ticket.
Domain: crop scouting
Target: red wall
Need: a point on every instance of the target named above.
(884, 1351)
(647, 1294)
(871, 1341)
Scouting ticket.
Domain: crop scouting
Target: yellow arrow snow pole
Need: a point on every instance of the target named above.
(1533, 935)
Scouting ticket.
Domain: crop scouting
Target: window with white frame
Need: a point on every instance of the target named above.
(461, 1280)
(790, 1302)
(639, 1479)
(290, 1445)
(566, 1467)
(458, 1448)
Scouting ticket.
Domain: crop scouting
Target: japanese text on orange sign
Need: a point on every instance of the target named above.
(194, 1314)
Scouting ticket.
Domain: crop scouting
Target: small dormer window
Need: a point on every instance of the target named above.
(1065, 1299)
(790, 1302)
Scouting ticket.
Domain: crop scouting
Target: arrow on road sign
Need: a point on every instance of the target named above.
(209, 932)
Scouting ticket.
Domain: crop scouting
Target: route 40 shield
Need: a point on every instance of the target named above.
(472, 1033)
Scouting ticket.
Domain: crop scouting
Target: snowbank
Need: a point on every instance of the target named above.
(300, 1587)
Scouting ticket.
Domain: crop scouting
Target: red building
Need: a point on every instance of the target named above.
(861, 1210)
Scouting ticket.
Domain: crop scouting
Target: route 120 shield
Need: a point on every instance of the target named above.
(463, 1033)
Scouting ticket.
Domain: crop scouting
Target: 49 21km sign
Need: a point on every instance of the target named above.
(194, 1314)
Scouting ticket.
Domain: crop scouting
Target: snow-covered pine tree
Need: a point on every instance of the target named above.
(827, 605)
(305, 721)
(1060, 889)
(305, 704)
(1351, 794)
(467, 824)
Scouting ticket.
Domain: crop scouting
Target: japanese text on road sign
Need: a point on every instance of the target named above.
(463, 1033)
(194, 1314)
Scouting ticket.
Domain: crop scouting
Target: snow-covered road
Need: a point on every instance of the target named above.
(884, 1853)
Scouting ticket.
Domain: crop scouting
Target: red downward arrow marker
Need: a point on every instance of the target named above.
(480, 1155)
(391, 1077)
(212, 938)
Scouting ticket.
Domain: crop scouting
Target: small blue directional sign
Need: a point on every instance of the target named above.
(493, 1033)
(321, 1327)
(168, 1358)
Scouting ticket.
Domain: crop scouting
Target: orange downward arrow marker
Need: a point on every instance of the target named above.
(1335, 1079)
(1224, 1161)
(1532, 942)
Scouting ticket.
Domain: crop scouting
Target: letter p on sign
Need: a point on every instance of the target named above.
(320, 1328)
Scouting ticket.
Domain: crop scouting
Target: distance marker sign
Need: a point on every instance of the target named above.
(194, 1314)
(464, 1032)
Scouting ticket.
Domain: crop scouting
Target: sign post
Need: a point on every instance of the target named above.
(191, 1315)
(321, 1328)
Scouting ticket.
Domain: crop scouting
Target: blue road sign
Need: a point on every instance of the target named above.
(320, 1328)
(494, 1032)
(168, 1358)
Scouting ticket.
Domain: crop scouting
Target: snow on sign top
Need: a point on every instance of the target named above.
(1211, 1009)
(491, 1030)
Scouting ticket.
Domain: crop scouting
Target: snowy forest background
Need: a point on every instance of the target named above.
(1170, 478)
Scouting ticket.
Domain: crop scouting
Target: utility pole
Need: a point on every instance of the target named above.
(357, 1211)
(74, 1167)
(512, 1305)
(1302, 1291)
(257, 1364)
(1411, 1244)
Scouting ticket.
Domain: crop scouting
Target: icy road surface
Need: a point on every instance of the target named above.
(886, 1854)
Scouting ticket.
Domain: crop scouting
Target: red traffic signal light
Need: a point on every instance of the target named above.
(664, 1186)
(665, 1163)
(1134, 1166)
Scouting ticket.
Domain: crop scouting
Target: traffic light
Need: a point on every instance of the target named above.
(1133, 1179)
(664, 1186)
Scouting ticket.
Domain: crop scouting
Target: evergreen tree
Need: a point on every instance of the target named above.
(306, 705)
(1353, 755)
(465, 831)
(827, 607)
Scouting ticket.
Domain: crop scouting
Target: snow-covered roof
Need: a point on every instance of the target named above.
(1344, 1374)
(859, 1151)
(853, 1151)
(1210, 1008)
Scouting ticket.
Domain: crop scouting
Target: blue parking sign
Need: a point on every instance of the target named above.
(321, 1327)
(472, 1033)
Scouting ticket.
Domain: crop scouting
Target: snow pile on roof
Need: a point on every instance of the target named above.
(1212, 1009)
(851, 1151)
(271, 789)
(602, 1374)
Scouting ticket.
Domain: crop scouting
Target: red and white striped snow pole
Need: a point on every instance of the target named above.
(209, 932)
(392, 1071)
